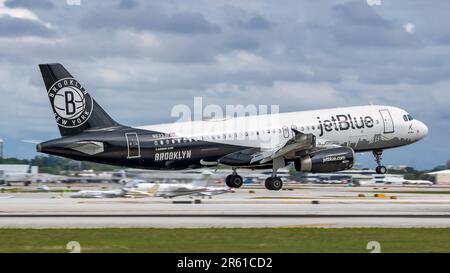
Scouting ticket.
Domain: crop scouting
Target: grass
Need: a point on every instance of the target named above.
(226, 240)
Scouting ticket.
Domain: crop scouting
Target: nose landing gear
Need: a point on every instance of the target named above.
(380, 169)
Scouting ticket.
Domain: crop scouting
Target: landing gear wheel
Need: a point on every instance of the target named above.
(267, 183)
(381, 170)
(227, 181)
(234, 181)
(274, 183)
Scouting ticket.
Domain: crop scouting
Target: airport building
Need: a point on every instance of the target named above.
(17, 168)
(441, 177)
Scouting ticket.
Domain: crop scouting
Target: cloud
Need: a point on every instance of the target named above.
(301, 55)
(254, 23)
(32, 4)
(128, 4)
(152, 20)
(410, 28)
(13, 27)
(357, 24)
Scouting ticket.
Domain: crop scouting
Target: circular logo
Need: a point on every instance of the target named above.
(71, 103)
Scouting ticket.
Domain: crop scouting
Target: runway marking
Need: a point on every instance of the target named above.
(225, 215)
(308, 225)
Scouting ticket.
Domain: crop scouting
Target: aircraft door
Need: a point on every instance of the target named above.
(285, 132)
(134, 148)
(387, 121)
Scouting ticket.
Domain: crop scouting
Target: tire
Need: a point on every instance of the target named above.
(234, 181)
(267, 183)
(237, 181)
(381, 170)
(276, 183)
(377, 169)
(227, 181)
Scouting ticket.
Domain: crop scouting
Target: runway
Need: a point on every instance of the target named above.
(332, 207)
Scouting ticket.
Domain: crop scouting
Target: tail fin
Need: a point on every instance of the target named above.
(75, 110)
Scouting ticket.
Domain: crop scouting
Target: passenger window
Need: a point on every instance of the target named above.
(156, 143)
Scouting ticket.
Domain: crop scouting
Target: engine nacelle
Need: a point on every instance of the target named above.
(328, 160)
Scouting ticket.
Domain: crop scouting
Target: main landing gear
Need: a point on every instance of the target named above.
(274, 183)
(380, 169)
(234, 180)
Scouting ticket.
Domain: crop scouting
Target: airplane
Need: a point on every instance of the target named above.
(211, 191)
(418, 182)
(401, 180)
(98, 194)
(197, 188)
(314, 141)
(123, 192)
(393, 179)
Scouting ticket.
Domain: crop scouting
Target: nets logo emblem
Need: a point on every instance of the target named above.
(71, 103)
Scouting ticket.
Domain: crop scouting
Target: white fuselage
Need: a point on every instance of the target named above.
(363, 128)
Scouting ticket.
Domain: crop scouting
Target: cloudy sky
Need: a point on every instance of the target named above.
(140, 58)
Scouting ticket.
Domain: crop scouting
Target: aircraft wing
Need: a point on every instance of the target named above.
(298, 142)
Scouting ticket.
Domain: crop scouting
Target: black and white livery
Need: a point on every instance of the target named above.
(314, 141)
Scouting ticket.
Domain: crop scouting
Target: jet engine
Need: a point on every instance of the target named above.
(327, 160)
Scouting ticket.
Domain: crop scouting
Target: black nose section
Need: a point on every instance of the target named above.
(39, 148)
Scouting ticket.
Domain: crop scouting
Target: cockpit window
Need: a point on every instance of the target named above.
(407, 117)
